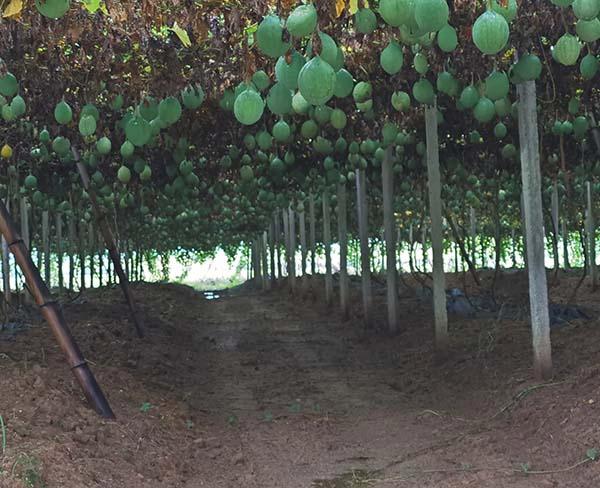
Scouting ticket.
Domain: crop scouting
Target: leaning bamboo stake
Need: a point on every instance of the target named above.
(327, 244)
(342, 219)
(53, 315)
(109, 240)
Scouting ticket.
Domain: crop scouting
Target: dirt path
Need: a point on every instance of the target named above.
(259, 390)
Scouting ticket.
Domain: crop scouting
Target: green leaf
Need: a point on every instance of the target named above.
(182, 34)
(92, 6)
(145, 407)
(593, 454)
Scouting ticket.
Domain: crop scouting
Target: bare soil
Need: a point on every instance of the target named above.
(265, 389)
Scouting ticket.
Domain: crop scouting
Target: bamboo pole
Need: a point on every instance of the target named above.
(111, 245)
(53, 315)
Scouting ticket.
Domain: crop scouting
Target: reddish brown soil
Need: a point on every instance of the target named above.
(261, 390)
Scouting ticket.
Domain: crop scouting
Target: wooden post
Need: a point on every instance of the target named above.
(342, 219)
(91, 250)
(303, 247)
(277, 230)
(59, 253)
(591, 236)
(82, 243)
(100, 262)
(437, 244)
(6, 265)
(555, 228)
(111, 245)
(363, 232)
(72, 248)
(389, 225)
(473, 235)
(286, 240)
(312, 234)
(524, 231)
(327, 244)
(256, 263)
(53, 315)
(292, 258)
(565, 241)
(46, 246)
(25, 223)
(534, 223)
(264, 246)
(272, 251)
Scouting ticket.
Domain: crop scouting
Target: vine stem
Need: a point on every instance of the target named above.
(3, 429)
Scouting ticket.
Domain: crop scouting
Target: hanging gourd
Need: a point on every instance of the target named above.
(589, 66)
(365, 21)
(490, 32)
(484, 110)
(396, 12)
(391, 58)
(302, 21)
(447, 39)
(588, 30)
(586, 9)
(87, 125)
(431, 15)
(423, 92)
(282, 131)
(496, 85)
(279, 99)
(567, 49)
(248, 107)
(344, 84)
(287, 73)
(63, 113)
(509, 12)
(9, 86)
(169, 110)
(269, 37)
(316, 81)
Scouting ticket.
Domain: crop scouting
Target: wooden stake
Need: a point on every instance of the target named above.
(59, 253)
(312, 234)
(46, 245)
(327, 244)
(109, 239)
(6, 265)
(342, 218)
(363, 232)
(534, 223)
(437, 244)
(591, 235)
(292, 258)
(303, 248)
(389, 224)
(53, 315)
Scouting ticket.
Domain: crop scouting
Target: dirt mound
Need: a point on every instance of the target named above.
(267, 390)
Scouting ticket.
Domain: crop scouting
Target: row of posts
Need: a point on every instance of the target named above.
(268, 241)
